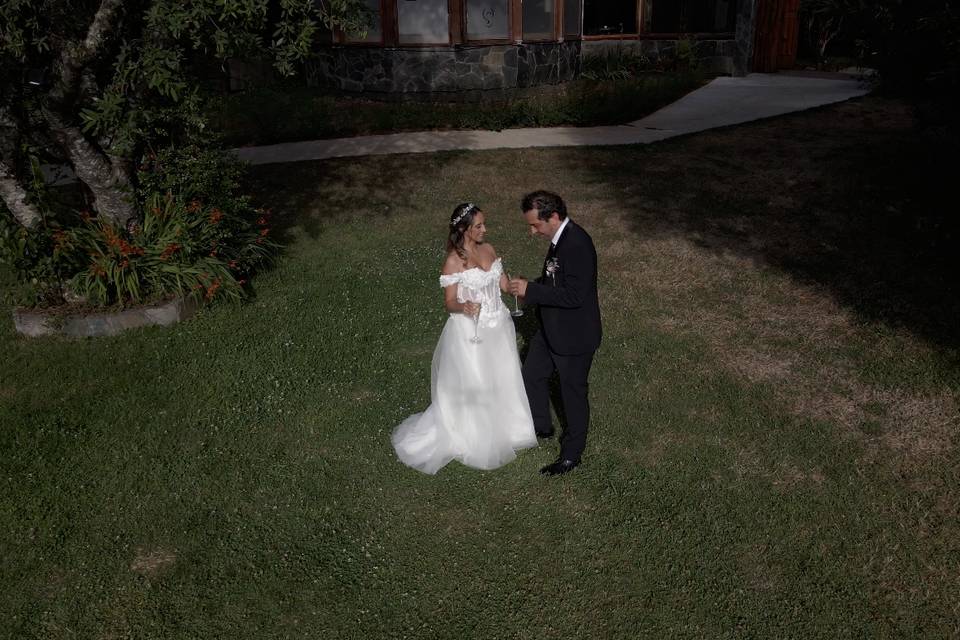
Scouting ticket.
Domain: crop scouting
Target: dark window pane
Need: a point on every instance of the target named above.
(538, 19)
(603, 17)
(693, 16)
(423, 21)
(571, 17)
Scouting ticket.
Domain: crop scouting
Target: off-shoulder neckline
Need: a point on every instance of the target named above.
(479, 268)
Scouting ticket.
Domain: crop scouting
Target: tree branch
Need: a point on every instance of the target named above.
(75, 57)
(16, 198)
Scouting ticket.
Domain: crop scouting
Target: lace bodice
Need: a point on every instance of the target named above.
(477, 285)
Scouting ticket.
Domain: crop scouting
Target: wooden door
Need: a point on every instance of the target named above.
(776, 32)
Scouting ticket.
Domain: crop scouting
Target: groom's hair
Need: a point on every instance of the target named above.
(545, 202)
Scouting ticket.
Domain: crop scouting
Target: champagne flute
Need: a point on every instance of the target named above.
(476, 325)
(517, 311)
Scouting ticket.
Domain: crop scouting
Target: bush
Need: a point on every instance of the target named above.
(195, 236)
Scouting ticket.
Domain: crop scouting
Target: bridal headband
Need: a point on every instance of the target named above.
(470, 208)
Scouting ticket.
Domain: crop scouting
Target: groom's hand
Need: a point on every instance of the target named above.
(518, 287)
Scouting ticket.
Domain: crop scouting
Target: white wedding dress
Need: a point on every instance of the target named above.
(479, 413)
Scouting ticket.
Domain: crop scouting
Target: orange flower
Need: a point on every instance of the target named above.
(264, 231)
(212, 289)
(262, 220)
(169, 250)
(194, 206)
(216, 215)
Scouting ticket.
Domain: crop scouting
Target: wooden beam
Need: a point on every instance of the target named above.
(516, 21)
(388, 23)
(455, 9)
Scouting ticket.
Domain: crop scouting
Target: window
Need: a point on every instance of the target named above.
(571, 17)
(538, 18)
(609, 17)
(423, 21)
(375, 31)
(488, 19)
(692, 16)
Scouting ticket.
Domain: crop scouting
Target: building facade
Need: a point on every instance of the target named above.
(434, 46)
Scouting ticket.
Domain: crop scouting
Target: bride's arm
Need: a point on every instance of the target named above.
(450, 302)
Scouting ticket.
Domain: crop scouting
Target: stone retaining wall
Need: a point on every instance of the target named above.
(713, 56)
(37, 323)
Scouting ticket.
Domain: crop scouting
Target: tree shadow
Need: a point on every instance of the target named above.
(851, 198)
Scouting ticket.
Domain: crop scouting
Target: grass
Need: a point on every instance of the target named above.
(285, 114)
(774, 442)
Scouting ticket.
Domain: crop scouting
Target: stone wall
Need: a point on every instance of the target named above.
(744, 36)
(447, 69)
(715, 56)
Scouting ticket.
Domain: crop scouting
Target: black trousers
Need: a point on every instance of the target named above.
(573, 371)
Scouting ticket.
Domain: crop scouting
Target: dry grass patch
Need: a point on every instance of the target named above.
(764, 327)
(652, 453)
(152, 562)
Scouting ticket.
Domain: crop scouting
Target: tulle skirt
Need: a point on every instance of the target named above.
(479, 413)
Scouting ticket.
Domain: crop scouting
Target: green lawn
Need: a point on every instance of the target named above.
(775, 412)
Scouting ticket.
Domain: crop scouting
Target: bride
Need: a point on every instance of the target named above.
(479, 413)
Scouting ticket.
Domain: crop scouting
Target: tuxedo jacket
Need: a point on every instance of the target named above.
(566, 294)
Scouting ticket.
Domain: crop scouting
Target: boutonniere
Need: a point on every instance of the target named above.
(553, 265)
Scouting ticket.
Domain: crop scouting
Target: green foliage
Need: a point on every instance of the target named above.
(197, 235)
(34, 260)
(269, 115)
(34, 257)
(128, 76)
(623, 63)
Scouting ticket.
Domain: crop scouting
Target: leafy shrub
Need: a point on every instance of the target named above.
(195, 236)
(615, 64)
(179, 248)
(34, 261)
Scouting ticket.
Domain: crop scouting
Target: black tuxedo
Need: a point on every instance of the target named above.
(570, 332)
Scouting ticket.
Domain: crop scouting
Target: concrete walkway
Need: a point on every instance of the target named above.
(722, 102)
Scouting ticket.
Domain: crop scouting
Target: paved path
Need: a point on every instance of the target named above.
(720, 103)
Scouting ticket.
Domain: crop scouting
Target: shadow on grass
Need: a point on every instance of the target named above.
(850, 198)
(313, 195)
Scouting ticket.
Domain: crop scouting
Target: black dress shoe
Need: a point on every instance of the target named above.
(559, 467)
(544, 434)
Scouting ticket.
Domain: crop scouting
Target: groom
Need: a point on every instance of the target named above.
(569, 334)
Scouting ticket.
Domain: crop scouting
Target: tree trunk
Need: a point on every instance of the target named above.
(15, 197)
(108, 179)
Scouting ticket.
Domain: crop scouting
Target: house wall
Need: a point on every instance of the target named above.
(476, 69)
(723, 56)
(434, 70)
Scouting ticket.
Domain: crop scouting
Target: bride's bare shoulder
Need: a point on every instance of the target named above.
(452, 264)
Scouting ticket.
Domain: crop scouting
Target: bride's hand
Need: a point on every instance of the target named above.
(471, 308)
